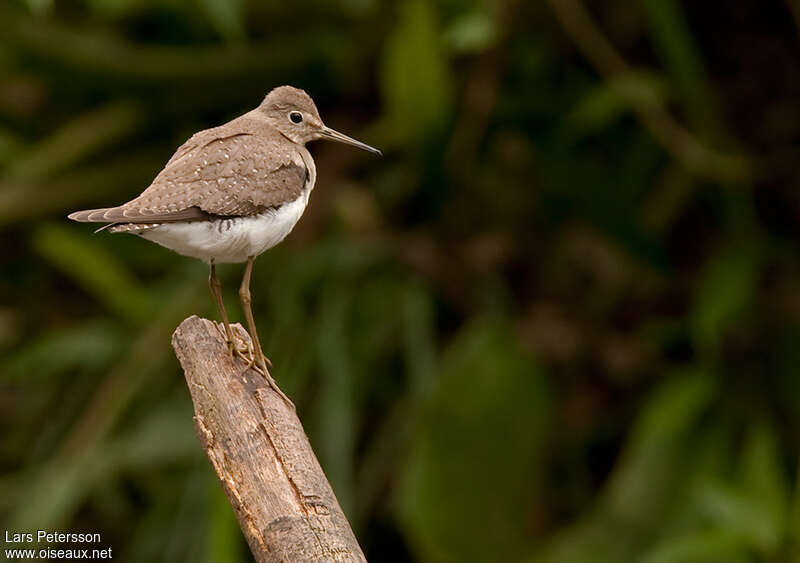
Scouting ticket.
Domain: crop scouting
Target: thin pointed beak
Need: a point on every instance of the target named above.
(328, 133)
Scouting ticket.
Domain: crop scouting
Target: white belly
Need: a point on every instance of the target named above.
(229, 240)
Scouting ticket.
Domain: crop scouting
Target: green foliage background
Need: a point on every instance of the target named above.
(558, 322)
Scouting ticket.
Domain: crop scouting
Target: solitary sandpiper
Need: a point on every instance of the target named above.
(231, 192)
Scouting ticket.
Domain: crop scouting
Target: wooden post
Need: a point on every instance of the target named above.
(256, 444)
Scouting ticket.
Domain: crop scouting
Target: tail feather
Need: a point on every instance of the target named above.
(125, 214)
(89, 215)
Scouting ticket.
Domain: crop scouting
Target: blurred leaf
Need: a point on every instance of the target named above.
(724, 292)
(468, 489)
(10, 145)
(163, 436)
(644, 481)
(57, 488)
(672, 38)
(764, 481)
(225, 540)
(415, 78)
(336, 408)
(389, 441)
(358, 8)
(150, 532)
(21, 200)
(11, 320)
(606, 102)
(188, 526)
(90, 345)
(732, 511)
(93, 50)
(113, 8)
(420, 338)
(227, 17)
(672, 192)
(100, 273)
(40, 6)
(296, 277)
(75, 140)
(659, 434)
(704, 547)
(376, 322)
(471, 32)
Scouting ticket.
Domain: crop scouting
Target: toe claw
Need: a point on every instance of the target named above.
(261, 365)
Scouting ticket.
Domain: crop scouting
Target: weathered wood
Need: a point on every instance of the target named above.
(256, 444)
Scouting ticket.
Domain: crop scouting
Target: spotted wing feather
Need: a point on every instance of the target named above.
(215, 174)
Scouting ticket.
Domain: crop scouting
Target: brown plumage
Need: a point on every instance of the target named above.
(237, 169)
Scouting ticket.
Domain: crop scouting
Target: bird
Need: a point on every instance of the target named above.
(230, 193)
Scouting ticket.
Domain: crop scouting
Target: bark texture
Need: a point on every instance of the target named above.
(256, 444)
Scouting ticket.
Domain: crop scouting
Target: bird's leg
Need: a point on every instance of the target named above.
(216, 290)
(259, 359)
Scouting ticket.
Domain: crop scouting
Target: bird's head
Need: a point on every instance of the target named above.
(292, 112)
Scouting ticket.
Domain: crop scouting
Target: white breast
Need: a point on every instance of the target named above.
(230, 240)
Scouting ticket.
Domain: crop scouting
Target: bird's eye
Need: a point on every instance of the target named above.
(296, 117)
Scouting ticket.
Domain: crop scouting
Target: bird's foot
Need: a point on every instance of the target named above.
(245, 352)
(229, 342)
(238, 348)
(244, 349)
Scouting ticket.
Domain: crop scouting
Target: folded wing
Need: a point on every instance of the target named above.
(210, 175)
